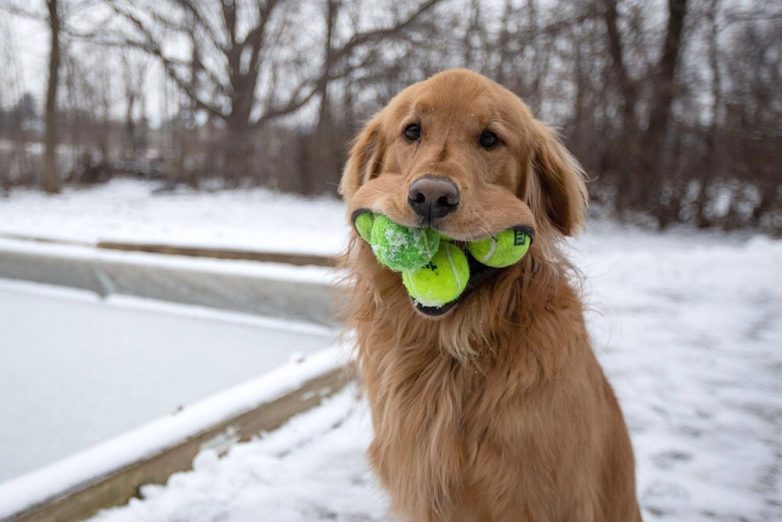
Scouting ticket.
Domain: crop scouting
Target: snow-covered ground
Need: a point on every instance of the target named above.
(126, 210)
(689, 331)
(311, 469)
(688, 327)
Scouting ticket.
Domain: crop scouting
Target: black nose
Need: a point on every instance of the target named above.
(433, 198)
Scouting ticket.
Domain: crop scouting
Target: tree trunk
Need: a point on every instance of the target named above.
(51, 177)
(627, 86)
(131, 153)
(626, 150)
(238, 152)
(322, 147)
(662, 99)
(664, 86)
(710, 163)
(243, 79)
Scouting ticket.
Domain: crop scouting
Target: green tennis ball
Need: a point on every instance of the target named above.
(363, 224)
(402, 248)
(501, 250)
(440, 281)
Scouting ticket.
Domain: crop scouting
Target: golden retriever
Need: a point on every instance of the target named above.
(493, 408)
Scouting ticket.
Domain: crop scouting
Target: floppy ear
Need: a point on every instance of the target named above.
(365, 158)
(564, 195)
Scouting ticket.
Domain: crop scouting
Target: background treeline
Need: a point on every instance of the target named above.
(674, 107)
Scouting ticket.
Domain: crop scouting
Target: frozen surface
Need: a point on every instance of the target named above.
(125, 210)
(76, 370)
(689, 330)
(151, 438)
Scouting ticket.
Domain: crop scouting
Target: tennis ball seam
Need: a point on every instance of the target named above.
(363, 220)
(411, 281)
(501, 250)
(436, 291)
(456, 275)
(491, 251)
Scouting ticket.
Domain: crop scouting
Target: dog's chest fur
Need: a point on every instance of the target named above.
(443, 427)
(422, 410)
(521, 425)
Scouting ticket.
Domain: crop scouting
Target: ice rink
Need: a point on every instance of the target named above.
(76, 370)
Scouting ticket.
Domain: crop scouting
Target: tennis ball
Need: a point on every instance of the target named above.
(363, 223)
(402, 248)
(441, 280)
(501, 250)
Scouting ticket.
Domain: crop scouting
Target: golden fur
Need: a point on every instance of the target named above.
(497, 410)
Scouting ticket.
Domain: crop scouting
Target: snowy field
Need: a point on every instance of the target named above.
(688, 327)
(127, 210)
(90, 369)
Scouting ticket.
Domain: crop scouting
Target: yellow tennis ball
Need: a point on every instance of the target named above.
(501, 250)
(442, 280)
(363, 223)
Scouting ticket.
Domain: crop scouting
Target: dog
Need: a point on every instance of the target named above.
(494, 407)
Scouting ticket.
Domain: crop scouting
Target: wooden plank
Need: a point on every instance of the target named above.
(219, 253)
(121, 485)
(189, 251)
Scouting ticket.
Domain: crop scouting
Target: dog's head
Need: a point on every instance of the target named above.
(462, 154)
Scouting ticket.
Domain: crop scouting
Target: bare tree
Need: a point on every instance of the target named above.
(711, 151)
(54, 14)
(628, 186)
(244, 84)
(627, 86)
(671, 105)
(134, 69)
(660, 109)
(51, 176)
(12, 154)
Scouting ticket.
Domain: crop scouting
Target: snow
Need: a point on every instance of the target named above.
(311, 469)
(688, 329)
(126, 210)
(150, 438)
(118, 363)
(688, 326)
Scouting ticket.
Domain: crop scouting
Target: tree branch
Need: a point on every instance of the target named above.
(152, 46)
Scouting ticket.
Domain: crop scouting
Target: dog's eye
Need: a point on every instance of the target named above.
(488, 140)
(412, 132)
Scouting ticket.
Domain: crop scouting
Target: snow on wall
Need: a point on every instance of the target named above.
(262, 288)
